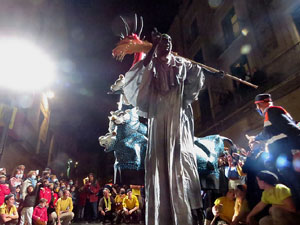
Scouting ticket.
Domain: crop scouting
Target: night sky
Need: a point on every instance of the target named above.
(82, 104)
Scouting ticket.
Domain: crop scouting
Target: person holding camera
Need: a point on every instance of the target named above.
(91, 188)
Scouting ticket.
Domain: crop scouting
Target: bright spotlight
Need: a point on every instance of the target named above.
(50, 94)
(24, 67)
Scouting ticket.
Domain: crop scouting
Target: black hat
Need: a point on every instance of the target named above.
(263, 98)
(8, 197)
(128, 190)
(268, 177)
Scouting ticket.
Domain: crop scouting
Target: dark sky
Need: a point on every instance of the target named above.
(82, 106)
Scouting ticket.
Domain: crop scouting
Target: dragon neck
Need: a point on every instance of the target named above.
(137, 57)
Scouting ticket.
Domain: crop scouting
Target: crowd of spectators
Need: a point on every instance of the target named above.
(43, 199)
(256, 194)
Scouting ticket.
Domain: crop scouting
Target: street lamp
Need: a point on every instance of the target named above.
(70, 161)
(24, 68)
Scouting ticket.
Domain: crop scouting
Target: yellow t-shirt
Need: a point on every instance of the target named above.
(227, 210)
(119, 199)
(130, 203)
(276, 195)
(64, 204)
(4, 210)
(136, 192)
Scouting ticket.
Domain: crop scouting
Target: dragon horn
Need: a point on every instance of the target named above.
(126, 26)
(135, 23)
(122, 36)
(142, 25)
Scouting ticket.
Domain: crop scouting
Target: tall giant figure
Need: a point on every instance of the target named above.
(163, 86)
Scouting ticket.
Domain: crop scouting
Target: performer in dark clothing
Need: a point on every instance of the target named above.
(252, 166)
(283, 136)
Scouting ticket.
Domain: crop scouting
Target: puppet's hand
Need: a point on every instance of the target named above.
(156, 36)
(220, 74)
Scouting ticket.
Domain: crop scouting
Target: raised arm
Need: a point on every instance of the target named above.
(156, 37)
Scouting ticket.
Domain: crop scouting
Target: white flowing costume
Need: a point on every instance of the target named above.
(163, 93)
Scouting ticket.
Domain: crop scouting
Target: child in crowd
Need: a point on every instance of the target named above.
(40, 216)
(18, 196)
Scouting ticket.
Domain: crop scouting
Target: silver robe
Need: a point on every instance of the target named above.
(163, 93)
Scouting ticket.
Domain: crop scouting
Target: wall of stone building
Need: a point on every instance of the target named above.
(274, 40)
(17, 154)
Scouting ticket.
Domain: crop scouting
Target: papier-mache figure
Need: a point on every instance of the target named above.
(127, 139)
(163, 86)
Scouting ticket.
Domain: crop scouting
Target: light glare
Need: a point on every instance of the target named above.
(23, 66)
(50, 94)
(246, 49)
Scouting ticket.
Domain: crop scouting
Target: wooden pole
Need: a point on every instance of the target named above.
(216, 71)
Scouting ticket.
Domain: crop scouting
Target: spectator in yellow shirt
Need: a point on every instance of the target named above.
(64, 208)
(8, 211)
(223, 210)
(241, 208)
(131, 210)
(119, 204)
(283, 210)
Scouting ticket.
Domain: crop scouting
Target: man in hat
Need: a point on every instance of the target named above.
(283, 210)
(282, 135)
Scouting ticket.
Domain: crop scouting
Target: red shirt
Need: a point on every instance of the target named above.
(4, 190)
(40, 212)
(55, 198)
(45, 192)
(92, 191)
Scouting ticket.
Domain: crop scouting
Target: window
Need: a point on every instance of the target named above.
(231, 27)
(296, 17)
(240, 69)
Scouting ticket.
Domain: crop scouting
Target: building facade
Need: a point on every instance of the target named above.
(257, 41)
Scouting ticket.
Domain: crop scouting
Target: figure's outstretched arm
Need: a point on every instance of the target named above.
(156, 37)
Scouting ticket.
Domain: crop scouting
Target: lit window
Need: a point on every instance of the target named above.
(231, 27)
